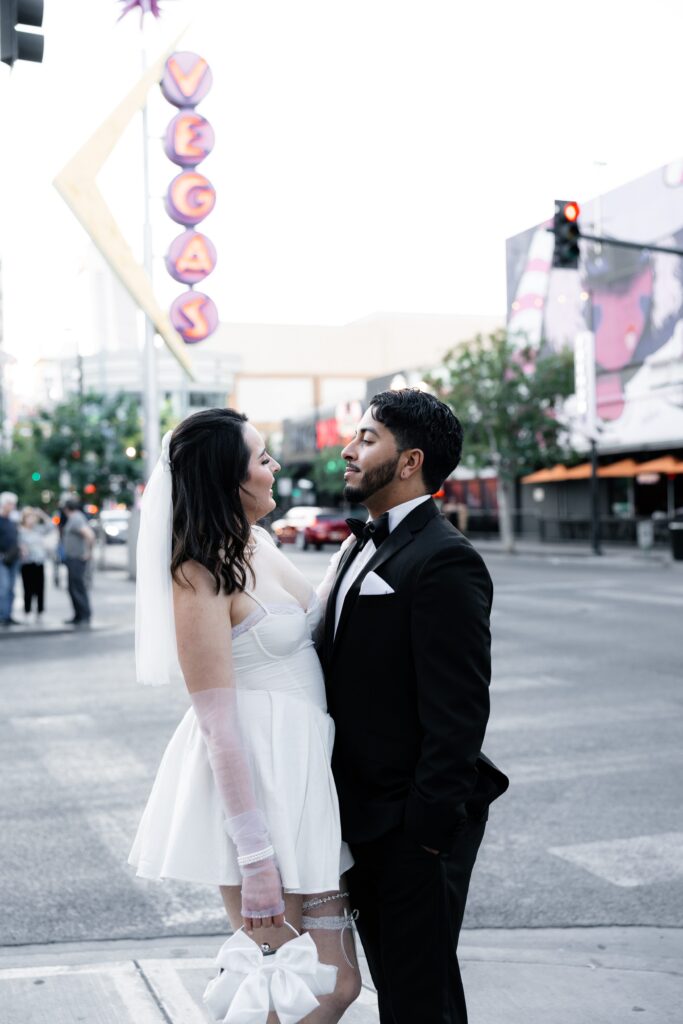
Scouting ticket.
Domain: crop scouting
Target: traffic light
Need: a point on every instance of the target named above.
(15, 44)
(567, 234)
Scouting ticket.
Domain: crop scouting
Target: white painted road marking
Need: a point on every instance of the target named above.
(526, 681)
(640, 860)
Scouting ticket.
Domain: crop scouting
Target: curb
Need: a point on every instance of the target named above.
(511, 976)
(20, 632)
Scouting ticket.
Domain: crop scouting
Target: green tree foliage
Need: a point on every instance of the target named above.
(22, 468)
(87, 438)
(509, 399)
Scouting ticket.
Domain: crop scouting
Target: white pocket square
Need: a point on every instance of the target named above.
(374, 585)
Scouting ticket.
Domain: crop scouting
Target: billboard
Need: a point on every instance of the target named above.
(631, 300)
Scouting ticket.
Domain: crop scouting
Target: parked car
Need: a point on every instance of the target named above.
(328, 527)
(290, 527)
(114, 525)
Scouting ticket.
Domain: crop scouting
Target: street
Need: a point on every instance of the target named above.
(586, 720)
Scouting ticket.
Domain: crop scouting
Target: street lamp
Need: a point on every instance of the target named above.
(131, 452)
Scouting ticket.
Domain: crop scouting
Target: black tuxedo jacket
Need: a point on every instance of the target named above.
(407, 679)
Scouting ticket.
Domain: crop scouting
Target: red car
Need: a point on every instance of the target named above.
(328, 527)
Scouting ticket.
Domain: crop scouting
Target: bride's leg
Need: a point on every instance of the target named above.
(232, 900)
(325, 917)
(328, 934)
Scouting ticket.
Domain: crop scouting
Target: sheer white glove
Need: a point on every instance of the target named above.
(261, 882)
(261, 890)
(245, 823)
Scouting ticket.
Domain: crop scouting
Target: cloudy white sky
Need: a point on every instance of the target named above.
(370, 154)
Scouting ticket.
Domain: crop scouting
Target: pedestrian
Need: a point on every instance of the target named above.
(9, 556)
(407, 665)
(34, 531)
(78, 539)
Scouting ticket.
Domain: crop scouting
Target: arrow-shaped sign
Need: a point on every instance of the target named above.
(76, 183)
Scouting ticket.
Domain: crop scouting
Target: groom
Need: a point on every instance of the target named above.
(407, 656)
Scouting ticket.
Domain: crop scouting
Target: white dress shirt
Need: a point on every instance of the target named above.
(396, 515)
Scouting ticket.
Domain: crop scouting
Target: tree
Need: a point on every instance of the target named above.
(84, 441)
(509, 399)
(88, 437)
(21, 469)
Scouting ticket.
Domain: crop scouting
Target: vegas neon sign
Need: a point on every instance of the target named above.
(190, 197)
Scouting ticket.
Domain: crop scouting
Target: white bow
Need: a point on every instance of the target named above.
(251, 984)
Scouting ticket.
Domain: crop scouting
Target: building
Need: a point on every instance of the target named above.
(631, 300)
(273, 372)
(361, 359)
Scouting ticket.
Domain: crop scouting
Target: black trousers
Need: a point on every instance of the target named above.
(33, 578)
(77, 591)
(411, 905)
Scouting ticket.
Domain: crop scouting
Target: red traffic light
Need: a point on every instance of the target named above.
(571, 211)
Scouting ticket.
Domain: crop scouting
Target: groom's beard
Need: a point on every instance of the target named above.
(373, 480)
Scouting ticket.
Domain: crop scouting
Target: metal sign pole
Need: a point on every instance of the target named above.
(152, 432)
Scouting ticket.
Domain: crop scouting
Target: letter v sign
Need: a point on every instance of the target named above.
(188, 81)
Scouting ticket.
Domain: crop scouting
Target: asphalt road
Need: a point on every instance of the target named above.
(587, 698)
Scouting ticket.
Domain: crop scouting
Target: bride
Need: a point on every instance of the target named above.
(244, 797)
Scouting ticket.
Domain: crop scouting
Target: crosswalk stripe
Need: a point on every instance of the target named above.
(629, 863)
(525, 681)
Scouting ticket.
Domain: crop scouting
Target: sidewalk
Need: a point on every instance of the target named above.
(554, 976)
(110, 573)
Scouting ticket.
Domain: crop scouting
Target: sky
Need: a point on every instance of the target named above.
(371, 155)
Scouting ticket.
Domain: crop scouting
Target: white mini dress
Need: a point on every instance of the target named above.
(288, 735)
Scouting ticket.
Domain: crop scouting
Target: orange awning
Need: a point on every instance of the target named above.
(581, 472)
(545, 476)
(664, 464)
(558, 473)
(625, 467)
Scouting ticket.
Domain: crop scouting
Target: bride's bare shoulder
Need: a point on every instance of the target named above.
(192, 578)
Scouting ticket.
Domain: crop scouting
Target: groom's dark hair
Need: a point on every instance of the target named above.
(419, 420)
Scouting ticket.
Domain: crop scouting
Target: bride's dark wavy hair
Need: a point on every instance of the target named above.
(209, 461)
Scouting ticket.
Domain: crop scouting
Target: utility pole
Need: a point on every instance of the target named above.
(584, 388)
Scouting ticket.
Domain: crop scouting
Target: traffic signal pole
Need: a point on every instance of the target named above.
(17, 45)
(567, 235)
(623, 244)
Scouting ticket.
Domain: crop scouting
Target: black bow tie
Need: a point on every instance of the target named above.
(376, 530)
